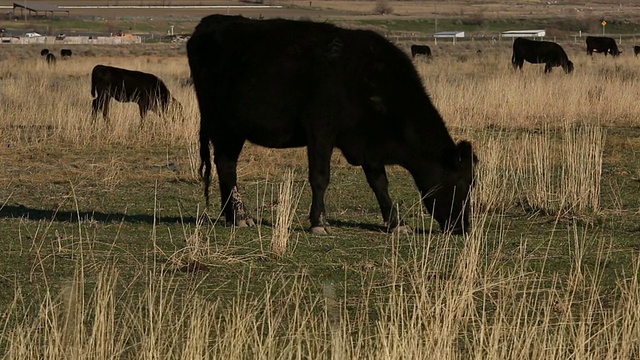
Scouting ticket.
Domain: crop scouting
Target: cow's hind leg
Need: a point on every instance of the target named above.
(226, 152)
(517, 63)
(319, 173)
(514, 61)
(377, 179)
(547, 68)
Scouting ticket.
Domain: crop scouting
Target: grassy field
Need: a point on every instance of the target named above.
(110, 253)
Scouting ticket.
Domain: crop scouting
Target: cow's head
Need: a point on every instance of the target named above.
(176, 111)
(568, 67)
(449, 202)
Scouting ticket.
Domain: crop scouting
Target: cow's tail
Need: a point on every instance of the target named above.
(205, 161)
(514, 61)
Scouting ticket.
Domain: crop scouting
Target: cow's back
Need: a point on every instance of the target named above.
(539, 51)
(274, 75)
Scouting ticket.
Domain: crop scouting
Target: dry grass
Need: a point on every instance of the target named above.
(40, 103)
(288, 199)
(551, 171)
(482, 308)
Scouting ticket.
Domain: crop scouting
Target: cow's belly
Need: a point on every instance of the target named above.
(124, 97)
(272, 134)
(278, 143)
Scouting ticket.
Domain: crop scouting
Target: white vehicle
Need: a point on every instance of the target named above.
(32, 34)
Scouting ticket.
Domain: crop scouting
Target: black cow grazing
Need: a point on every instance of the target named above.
(51, 59)
(540, 52)
(144, 89)
(602, 44)
(282, 84)
(65, 53)
(420, 50)
(44, 52)
(636, 50)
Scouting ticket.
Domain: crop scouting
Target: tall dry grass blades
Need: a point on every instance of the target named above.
(104, 341)
(555, 172)
(494, 188)
(582, 171)
(492, 94)
(536, 177)
(437, 302)
(288, 201)
(67, 326)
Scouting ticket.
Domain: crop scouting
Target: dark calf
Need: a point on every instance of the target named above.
(420, 50)
(146, 90)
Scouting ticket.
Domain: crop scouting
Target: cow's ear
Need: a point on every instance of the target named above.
(465, 154)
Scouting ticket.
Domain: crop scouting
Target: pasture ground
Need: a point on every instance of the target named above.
(87, 206)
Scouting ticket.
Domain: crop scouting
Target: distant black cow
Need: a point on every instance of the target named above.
(636, 50)
(51, 59)
(146, 90)
(540, 52)
(602, 44)
(44, 52)
(283, 84)
(65, 53)
(420, 50)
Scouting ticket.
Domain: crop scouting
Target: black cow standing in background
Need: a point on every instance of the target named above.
(282, 84)
(602, 44)
(51, 59)
(65, 53)
(540, 52)
(146, 90)
(420, 50)
(636, 50)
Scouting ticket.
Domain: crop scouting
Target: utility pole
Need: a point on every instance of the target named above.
(436, 11)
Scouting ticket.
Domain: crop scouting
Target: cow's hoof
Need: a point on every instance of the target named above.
(403, 230)
(320, 230)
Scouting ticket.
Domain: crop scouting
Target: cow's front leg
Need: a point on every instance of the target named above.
(377, 179)
(226, 152)
(143, 107)
(319, 173)
(100, 103)
(95, 106)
